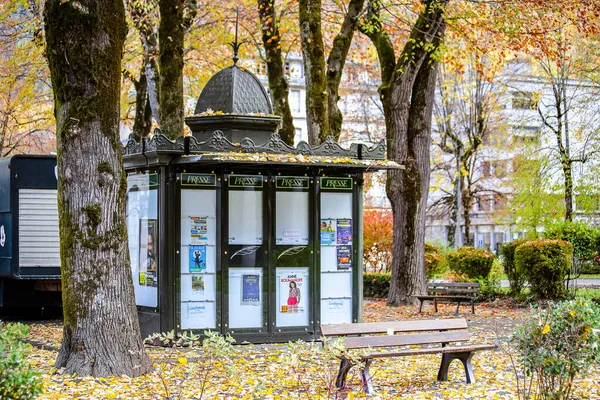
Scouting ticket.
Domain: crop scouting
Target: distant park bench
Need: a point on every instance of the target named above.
(375, 335)
(459, 292)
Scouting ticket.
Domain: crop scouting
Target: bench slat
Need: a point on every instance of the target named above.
(459, 291)
(406, 340)
(437, 350)
(398, 326)
(453, 284)
(431, 297)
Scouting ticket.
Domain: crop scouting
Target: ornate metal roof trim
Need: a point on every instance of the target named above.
(275, 145)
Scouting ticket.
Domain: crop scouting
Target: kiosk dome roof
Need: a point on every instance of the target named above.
(234, 90)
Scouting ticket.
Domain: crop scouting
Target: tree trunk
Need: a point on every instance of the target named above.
(314, 70)
(142, 122)
(101, 335)
(335, 65)
(275, 69)
(407, 94)
(170, 39)
(466, 208)
(568, 173)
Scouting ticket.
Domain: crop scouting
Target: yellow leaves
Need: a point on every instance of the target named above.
(182, 360)
(546, 329)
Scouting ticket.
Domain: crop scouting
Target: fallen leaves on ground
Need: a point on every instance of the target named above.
(259, 372)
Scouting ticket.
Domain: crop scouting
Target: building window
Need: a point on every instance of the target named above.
(295, 101)
(261, 69)
(298, 135)
(524, 100)
(287, 68)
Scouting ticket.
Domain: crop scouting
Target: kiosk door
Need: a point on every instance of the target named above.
(292, 255)
(245, 255)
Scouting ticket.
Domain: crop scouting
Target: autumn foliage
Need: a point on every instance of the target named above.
(378, 240)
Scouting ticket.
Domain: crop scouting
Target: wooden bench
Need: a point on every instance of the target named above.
(406, 333)
(465, 292)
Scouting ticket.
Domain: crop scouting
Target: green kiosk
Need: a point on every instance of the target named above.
(231, 229)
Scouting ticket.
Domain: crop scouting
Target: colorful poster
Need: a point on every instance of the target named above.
(198, 284)
(344, 231)
(197, 258)
(148, 270)
(293, 290)
(250, 290)
(327, 231)
(344, 257)
(198, 229)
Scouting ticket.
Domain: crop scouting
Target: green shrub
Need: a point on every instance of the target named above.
(555, 346)
(17, 379)
(516, 280)
(585, 241)
(376, 285)
(490, 285)
(475, 263)
(435, 263)
(545, 263)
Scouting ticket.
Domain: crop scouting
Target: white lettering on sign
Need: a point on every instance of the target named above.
(2, 236)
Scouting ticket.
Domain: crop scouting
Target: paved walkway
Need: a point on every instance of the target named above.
(580, 283)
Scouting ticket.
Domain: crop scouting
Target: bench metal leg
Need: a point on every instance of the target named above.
(345, 366)
(457, 305)
(473, 306)
(421, 305)
(465, 358)
(435, 304)
(365, 377)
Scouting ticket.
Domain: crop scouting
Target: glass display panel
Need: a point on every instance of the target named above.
(198, 315)
(291, 219)
(292, 296)
(142, 230)
(245, 217)
(198, 258)
(336, 233)
(336, 311)
(245, 298)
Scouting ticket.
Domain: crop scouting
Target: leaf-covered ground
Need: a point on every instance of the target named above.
(273, 372)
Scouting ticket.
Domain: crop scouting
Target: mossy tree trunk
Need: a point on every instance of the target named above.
(101, 335)
(407, 93)
(278, 83)
(323, 116)
(335, 65)
(313, 54)
(170, 39)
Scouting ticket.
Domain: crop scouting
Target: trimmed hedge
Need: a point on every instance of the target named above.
(475, 263)
(376, 285)
(507, 251)
(545, 263)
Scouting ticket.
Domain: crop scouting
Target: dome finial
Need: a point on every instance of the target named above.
(235, 45)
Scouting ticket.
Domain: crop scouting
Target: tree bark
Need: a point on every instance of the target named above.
(335, 65)
(101, 335)
(170, 39)
(278, 84)
(314, 69)
(142, 122)
(407, 93)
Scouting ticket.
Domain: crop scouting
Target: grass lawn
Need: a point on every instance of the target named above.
(269, 371)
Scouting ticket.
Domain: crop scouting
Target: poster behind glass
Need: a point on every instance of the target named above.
(292, 297)
(245, 298)
(198, 259)
(142, 229)
(336, 233)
